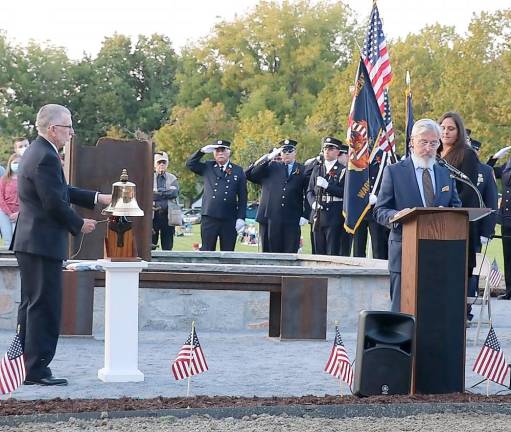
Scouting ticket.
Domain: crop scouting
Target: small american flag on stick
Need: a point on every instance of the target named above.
(490, 362)
(12, 368)
(190, 360)
(495, 276)
(338, 365)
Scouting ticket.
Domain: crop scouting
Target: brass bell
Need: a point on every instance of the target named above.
(124, 201)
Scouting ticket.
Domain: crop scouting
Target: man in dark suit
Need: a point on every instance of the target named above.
(224, 202)
(417, 181)
(325, 195)
(282, 206)
(41, 239)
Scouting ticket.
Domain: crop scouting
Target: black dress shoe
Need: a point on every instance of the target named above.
(47, 381)
(506, 296)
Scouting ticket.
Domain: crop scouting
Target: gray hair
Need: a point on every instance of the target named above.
(48, 115)
(426, 125)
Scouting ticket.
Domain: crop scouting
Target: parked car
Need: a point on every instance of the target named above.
(192, 216)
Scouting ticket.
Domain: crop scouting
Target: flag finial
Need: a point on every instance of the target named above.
(408, 80)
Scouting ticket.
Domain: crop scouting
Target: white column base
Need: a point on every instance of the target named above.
(121, 321)
(107, 375)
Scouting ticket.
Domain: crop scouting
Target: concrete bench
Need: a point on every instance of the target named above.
(298, 305)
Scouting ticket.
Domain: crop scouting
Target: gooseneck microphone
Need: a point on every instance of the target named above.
(458, 175)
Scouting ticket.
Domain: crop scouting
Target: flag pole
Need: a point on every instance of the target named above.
(340, 379)
(190, 361)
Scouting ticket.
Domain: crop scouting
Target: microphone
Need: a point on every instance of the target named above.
(456, 171)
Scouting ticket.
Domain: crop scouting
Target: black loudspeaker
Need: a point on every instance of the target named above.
(384, 353)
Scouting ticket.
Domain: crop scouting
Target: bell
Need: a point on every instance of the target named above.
(124, 201)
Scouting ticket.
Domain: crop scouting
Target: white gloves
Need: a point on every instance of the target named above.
(303, 221)
(315, 206)
(484, 240)
(210, 148)
(321, 182)
(372, 199)
(240, 225)
(502, 152)
(275, 152)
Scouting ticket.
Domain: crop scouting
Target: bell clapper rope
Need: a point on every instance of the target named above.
(83, 236)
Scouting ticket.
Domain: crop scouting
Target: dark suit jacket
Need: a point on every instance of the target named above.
(283, 197)
(45, 217)
(399, 190)
(225, 194)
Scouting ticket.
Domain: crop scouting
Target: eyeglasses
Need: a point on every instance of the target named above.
(64, 126)
(424, 143)
(288, 151)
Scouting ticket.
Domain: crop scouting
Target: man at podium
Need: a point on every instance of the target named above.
(417, 181)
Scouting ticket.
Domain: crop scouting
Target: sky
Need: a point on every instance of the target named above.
(81, 25)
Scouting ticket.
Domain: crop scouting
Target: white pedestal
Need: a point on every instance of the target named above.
(121, 321)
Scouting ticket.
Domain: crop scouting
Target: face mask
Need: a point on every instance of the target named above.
(14, 166)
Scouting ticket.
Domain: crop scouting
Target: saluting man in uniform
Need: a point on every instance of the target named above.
(282, 206)
(224, 202)
(325, 195)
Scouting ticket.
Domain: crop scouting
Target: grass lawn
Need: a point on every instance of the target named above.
(184, 243)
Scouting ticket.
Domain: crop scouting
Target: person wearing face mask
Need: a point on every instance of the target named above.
(9, 204)
(20, 145)
(417, 181)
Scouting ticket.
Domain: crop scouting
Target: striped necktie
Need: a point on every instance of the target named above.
(427, 185)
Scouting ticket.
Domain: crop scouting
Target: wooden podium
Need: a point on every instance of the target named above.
(434, 290)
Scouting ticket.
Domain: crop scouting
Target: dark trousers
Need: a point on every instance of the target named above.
(283, 237)
(379, 240)
(506, 247)
(212, 229)
(395, 291)
(346, 241)
(263, 237)
(162, 229)
(39, 311)
(327, 240)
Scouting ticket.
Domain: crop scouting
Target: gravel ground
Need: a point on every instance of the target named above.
(430, 422)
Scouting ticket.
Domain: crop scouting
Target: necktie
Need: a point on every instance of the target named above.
(427, 185)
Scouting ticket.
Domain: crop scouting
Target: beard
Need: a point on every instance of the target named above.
(424, 162)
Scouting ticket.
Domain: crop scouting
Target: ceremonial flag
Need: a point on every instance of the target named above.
(365, 125)
(495, 276)
(190, 360)
(408, 114)
(490, 362)
(377, 62)
(338, 365)
(12, 368)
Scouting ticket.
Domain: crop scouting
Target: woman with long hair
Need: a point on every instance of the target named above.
(9, 203)
(456, 150)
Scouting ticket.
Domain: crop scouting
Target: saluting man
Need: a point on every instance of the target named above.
(224, 202)
(325, 195)
(281, 208)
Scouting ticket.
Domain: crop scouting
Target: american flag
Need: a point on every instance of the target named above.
(12, 368)
(190, 360)
(495, 276)
(490, 362)
(377, 62)
(338, 365)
